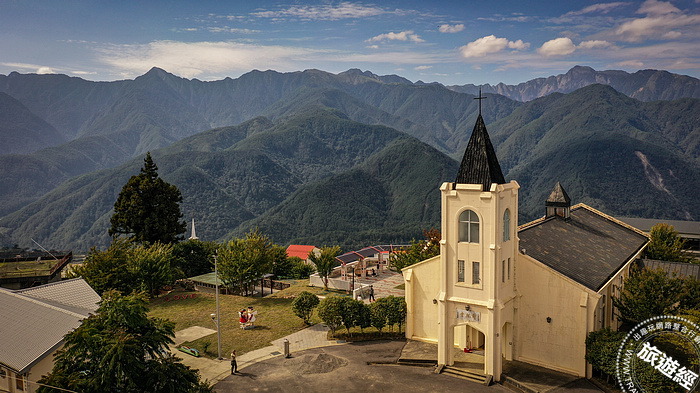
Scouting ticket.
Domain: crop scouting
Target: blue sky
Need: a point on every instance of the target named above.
(451, 42)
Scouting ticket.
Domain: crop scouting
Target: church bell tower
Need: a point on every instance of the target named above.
(477, 257)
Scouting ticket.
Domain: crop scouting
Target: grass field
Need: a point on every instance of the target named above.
(275, 317)
(26, 268)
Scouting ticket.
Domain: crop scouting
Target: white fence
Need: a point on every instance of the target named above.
(341, 285)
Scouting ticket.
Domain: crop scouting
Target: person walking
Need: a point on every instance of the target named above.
(234, 366)
(371, 294)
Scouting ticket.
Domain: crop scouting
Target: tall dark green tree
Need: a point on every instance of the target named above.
(121, 349)
(194, 257)
(648, 293)
(243, 261)
(148, 208)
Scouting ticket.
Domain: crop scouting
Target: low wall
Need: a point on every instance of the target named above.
(341, 285)
(333, 283)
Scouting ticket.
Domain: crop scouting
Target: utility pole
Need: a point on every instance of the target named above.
(218, 314)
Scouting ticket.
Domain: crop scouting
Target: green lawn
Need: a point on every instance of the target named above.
(26, 268)
(275, 317)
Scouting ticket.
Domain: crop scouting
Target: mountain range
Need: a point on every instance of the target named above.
(644, 85)
(313, 157)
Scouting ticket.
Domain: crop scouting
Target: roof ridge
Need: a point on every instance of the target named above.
(610, 218)
(39, 302)
(532, 223)
(51, 284)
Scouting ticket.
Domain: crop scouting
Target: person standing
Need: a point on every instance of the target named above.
(371, 294)
(234, 365)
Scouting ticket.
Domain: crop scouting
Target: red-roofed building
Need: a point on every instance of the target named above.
(296, 250)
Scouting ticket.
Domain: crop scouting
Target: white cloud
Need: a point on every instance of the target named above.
(44, 70)
(190, 59)
(629, 64)
(407, 35)
(671, 35)
(451, 29)
(423, 67)
(557, 47)
(403, 57)
(490, 44)
(663, 20)
(656, 26)
(343, 10)
(594, 44)
(83, 72)
(602, 8)
(37, 69)
(654, 7)
(231, 30)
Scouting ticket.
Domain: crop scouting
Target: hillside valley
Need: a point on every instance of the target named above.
(313, 157)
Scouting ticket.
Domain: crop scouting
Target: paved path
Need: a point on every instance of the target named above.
(264, 367)
(355, 367)
(215, 370)
(384, 283)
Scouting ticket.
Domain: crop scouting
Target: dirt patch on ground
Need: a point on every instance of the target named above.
(315, 364)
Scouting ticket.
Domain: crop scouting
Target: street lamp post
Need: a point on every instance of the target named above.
(218, 314)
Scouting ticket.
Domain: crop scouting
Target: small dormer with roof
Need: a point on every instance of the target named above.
(558, 203)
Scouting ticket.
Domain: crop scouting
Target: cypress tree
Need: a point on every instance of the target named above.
(148, 208)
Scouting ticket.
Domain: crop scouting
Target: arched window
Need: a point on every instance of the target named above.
(468, 227)
(506, 225)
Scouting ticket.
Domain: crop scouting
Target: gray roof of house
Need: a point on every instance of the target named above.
(480, 164)
(678, 269)
(32, 328)
(589, 248)
(75, 295)
(688, 229)
(207, 278)
(353, 256)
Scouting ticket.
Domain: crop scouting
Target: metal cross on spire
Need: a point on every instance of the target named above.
(480, 97)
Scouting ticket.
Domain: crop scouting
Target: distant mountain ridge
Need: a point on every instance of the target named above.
(109, 123)
(283, 151)
(644, 85)
(21, 131)
(231, 175)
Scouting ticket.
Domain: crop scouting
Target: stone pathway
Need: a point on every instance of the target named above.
(215, 370)
(384, 283)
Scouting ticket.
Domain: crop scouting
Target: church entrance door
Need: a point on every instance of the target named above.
(469, 347)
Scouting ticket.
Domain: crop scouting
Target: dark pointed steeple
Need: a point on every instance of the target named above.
(479, 164)
(558, 202)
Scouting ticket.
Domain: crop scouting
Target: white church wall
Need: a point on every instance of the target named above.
(553, 318)
(422, 286)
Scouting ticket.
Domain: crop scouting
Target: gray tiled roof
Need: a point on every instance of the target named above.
(32, 328)
(688, 229)
(353, 256)
(480, 164)
(677, 269)
(74, 294)
(589, 248)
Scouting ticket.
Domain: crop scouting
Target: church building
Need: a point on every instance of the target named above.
(530, 293)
